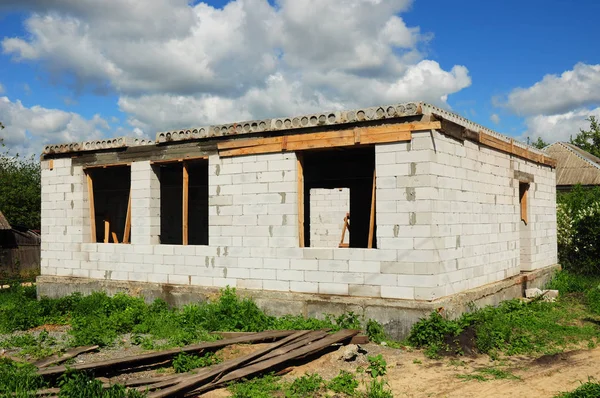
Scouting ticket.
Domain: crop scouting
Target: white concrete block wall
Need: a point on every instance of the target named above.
(328, 207)
(447, 220)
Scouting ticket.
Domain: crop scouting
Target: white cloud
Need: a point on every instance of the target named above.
(28, 129)
(554, 94)
(495, 118)
(559, 127)
(1, 88)
(198, 65)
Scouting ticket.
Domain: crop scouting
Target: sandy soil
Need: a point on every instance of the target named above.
(410, 374)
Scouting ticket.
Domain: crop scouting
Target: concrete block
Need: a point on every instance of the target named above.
(304, 287)
(333, 288)
(396, 292)
(364, 290)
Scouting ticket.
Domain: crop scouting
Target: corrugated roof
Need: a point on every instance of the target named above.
(574, 165)
(4, 222)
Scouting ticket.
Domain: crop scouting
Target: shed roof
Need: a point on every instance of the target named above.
(574, 165)
(4, 222)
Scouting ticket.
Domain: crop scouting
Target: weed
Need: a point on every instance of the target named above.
(417, 361)
(263, 387)
(81, 385)
(306, 386)
(18, 379)
(378, 389)
(186, 362)
(456, 363)
(343, 383)
(348, 320)
(377, 366)
(35, 347)
(568, 282)
(486, 374)
(590, 389)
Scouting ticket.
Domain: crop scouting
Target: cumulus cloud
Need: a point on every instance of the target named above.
(560, 127)
(28, 129)
(555, 94)
(197, 65)
(495, 118)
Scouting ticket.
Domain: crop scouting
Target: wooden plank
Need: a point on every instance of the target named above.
(327, 139)
(309, 338)
(359, 339)
(270, 148)
(56, 358)
(494, 142)
(106, 230)
(185, 204)
(187, 158)
(90, 185)
(166, 355)
(372, 217)
(371, 138)
(51, 164)
(300, 178)
(189, 383)
(114, 237)
(248, 142)
(270, 363)
(523, 200)
(127, 231)
(104, 166)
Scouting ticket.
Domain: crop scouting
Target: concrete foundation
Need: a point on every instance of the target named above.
(397, 316)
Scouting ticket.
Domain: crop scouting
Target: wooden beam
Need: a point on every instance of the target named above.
(127, 231)
(372, 218)
(90, 185)
(523, 201)
(300, 178)
(326, 139)
(185, 204)
(114, 237)
(187, 158)
(104, 166)
(106, 230)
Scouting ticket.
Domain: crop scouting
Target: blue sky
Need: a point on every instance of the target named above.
(73, 70)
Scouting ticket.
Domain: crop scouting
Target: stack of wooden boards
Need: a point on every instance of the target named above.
(286, 348)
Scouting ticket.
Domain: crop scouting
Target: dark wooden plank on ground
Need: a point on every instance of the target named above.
(154, 357)
(189, 383)
(56, 358)
(270, 363)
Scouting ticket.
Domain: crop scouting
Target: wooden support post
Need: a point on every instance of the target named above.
(300, 167)
(346, 226)
(114, 237)
(372, 219)
(185, 204)
(90, 185)
(127, 231)
(106, 230)
(51, 164)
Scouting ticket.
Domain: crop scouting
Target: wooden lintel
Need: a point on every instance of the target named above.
(104, 166)
(51, 164)
(327, 139)
(185, 204)
(179, 160)
(90, 186)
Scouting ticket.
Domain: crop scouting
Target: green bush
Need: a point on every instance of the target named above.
(591, 389)
(578, 223)
(18, 379)
(343, 383)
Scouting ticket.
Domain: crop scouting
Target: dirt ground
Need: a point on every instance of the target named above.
(411, 374)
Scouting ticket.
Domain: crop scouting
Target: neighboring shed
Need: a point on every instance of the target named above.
(19, 250)
(574, 166)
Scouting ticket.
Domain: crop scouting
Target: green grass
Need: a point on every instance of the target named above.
(518, 327)
(591, 389)
(186, 362)
(486, 374)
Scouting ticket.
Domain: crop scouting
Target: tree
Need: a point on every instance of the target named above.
(589, 140)
(20, 189)
(539, 143)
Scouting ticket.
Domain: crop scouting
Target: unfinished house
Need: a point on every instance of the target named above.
(390, 212)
